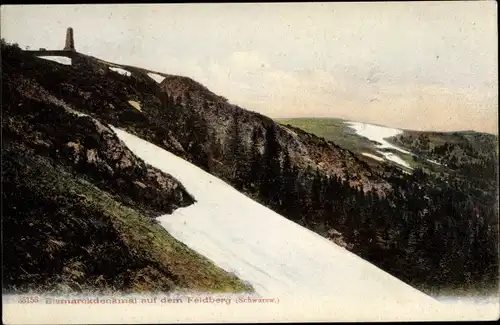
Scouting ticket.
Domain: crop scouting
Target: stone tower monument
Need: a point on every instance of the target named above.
(70, 43)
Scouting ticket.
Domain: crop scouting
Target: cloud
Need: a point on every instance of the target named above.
(249, 80)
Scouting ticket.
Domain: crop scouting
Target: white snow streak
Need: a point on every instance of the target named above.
(434, 162)
(156, 77)
(372, 156)
(59, 59)
(392, 157)
(121, 71)
(274, 254)
(77, 113)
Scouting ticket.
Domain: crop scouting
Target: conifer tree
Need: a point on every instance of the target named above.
(237, 151)
(289, 191)
(255, 170)
(271, 178)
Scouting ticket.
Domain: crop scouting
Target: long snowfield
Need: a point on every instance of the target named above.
(278, 257)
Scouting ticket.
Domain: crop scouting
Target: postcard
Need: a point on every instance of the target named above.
(250, 162)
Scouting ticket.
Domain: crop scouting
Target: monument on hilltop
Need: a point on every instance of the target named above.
(78, 60)
(70, 42)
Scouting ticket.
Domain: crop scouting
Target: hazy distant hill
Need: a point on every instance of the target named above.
(462, 152)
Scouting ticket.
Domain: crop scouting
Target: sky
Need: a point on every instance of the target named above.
(412, 65)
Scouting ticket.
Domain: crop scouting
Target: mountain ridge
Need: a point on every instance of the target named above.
(311, 181)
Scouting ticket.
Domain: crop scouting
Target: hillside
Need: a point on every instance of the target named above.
(78, 206)
(276, 255)
(62, 234)
(401, 223)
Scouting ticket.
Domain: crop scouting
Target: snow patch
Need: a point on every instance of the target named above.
(377, 133)
(59, 59)
(392, 157)
(434, 162)
(121, 71)
(372, 156)
(135, 105)
(156, 77)
(77, 113)
(278, 257)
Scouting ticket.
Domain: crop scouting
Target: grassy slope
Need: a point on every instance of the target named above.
(63, 234)
(334, 129)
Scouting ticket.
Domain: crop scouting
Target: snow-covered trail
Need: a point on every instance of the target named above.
(274, 254)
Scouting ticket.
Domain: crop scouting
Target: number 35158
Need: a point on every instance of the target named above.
(28, 299)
